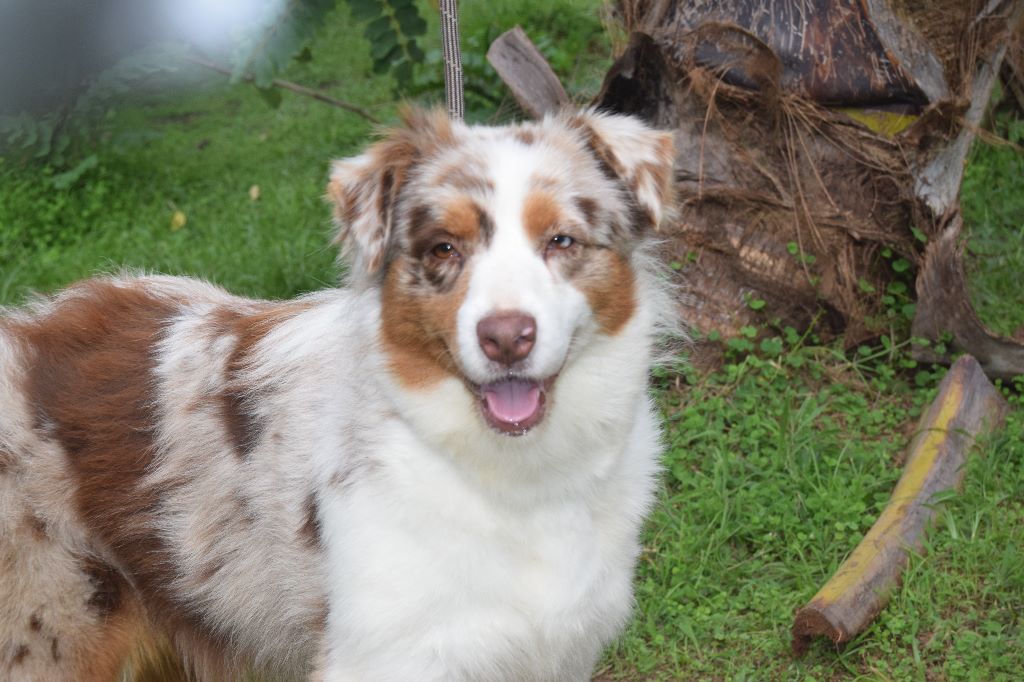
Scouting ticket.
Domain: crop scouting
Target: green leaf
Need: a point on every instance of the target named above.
(410, 21)
(772, 346)
(740, 345)
(403, 72)
(386, 49)
(378, 28)
(365, 10)
(414, 51)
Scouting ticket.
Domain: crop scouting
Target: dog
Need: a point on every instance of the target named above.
(438, 471)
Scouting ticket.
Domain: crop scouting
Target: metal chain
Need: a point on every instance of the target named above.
(452, 58)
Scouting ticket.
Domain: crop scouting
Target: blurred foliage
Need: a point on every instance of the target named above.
(261, 51)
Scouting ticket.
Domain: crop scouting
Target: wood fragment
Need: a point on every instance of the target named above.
(966, 407)
(526, 73)
(937, 178)
(944, 309)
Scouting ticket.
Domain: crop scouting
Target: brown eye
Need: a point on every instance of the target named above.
(444, 250)
(561, 242)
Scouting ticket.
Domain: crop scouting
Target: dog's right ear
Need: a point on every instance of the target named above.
(363, 190)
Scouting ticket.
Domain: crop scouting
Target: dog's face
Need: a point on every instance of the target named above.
(499, 250)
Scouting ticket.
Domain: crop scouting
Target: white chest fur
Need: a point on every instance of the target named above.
(432, 578)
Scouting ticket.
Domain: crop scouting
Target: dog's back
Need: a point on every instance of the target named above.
(439, 473)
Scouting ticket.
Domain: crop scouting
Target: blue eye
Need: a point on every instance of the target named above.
(562, 241)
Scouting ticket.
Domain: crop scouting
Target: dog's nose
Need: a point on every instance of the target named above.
(507, 337)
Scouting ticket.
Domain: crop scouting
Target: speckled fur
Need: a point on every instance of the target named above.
(307, 489)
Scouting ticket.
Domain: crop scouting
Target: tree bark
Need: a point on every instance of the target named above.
(811, 136)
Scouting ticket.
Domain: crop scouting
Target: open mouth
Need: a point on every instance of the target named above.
(514, 405)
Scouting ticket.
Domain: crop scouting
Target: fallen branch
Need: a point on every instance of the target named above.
(293, 87)
(967, 405)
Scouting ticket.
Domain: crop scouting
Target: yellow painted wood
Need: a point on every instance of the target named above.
(886, 530)
(883, 122)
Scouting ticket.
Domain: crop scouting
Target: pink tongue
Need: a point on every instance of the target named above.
(512, 400)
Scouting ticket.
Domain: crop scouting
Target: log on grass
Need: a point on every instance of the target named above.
(966, 407)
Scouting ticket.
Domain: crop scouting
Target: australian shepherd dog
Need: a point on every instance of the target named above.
(436, 472)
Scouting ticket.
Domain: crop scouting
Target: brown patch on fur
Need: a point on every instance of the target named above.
(91, 373)
(6, 461)
(540, 213)
(34, 623)
(210, 569)
(108, 587)
(464, 219)
(243, 426)
(37, 526)
(54, 649)
(526, 137)
(20, 654)
(310, 530)
(102, 657)
(467, 180)
(610, 289)
(588, 207)
(351, 471)
(418, 328)
(606, 158)
(237, 400)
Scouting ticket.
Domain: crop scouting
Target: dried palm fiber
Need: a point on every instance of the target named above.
(783, 197)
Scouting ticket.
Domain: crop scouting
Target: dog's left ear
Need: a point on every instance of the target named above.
(363, 189)
(639, 156)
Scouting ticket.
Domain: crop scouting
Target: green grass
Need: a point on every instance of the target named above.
(993, 206)
(776, 464)
(776, 467)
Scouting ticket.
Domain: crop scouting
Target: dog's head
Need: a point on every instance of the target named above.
(499, 250)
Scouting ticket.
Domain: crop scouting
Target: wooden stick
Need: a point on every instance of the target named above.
(526, 73)
(967, 405)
